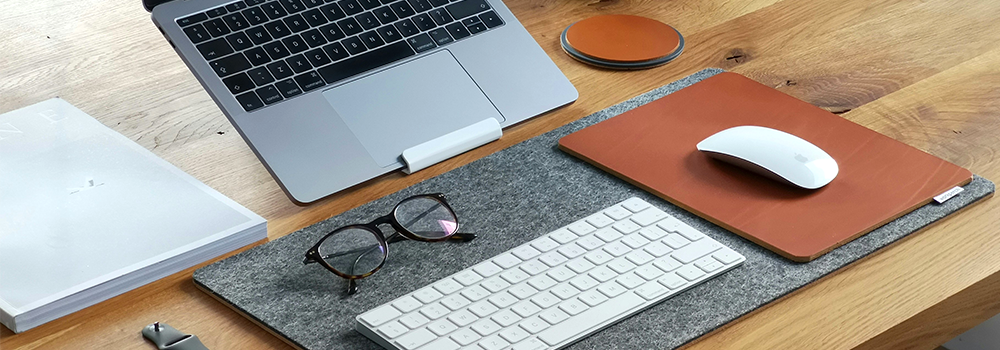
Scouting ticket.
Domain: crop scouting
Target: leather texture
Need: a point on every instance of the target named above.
(623, 38)
(653, 147)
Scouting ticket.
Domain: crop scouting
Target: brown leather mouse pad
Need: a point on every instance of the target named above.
(653, 147)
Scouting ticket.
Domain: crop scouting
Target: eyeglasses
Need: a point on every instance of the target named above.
(357, 251)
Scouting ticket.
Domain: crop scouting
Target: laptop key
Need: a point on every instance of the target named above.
(441, 17)
(236, 6)
(354, 45)
(288, 88)
(317, 58)
(421, 43)
(255, 15)
(230, 64)
(269, 94)
(217, 27)
(216, 12)
(238, 83)
(293, 6)
(277, 29)
(295, 44)
(477, 27)
(369, 4)
(371, 39)
(298, 63)
(491, 19)
(236, 21)
(351, 7)
(385, 14)
(314, 17)
(406, 28)
(367, 20)
(467, 8)
(332, 12)
(280, 70)
(258, 35)
(437, 3)
(215, 49)
(457, 30)
(313, 38)
(471, 20)
(276, 50)
(402, 9)
(424, 22)
(312, 3)
(257, 56)
(440, 36)
(350, 26)
(296, 23)
(249, 101)
(253, 2)
(197, 33)
(420, 5)
(274, 10)
(331, 32)
(335, 51)
(260, 76)
(309, 81)
(389, 33)
(192, 19)
(239, 41)
(362, 63)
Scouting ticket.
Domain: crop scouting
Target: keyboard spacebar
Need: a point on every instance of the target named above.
(583, 322)
(368, 61)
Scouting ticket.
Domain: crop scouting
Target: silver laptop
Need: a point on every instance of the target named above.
(328, 93)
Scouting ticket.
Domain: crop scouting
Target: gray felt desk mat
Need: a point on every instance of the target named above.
(509, 198)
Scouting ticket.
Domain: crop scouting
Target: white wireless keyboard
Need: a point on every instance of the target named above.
(557, 289)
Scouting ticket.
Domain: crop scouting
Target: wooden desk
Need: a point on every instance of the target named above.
(921, 71)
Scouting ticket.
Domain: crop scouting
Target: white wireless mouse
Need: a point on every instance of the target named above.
(774, 154)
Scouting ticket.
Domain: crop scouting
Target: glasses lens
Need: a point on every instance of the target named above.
(353, 251)
(427, 217)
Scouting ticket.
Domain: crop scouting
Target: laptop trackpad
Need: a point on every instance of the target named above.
(410, 104)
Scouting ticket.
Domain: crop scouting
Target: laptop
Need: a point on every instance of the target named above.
(328, 93)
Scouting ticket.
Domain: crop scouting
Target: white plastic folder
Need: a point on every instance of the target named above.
(87, 214)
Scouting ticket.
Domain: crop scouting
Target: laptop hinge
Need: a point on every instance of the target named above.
(451, 144)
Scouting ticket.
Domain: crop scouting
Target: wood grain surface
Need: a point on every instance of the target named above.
(921, 71)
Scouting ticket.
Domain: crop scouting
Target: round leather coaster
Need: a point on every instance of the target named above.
(622, 41)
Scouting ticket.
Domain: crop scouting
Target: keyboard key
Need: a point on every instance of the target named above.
(690, 272)
(649, 272)
(269, 94)
(299, 64)
(598, 257)
(385, 15)
(602, 274)
(617, 249)
(611, 290)
(351, 7)
(258, 35)
(708, 264)
(380, 315)
(367, 20)
(420, 5)
(457, 30)
(332, 12)
(216, 12)
(503, 299)
(455, 301)
(630, 280)
(541, 282)
(590, 318)
(553, 259)
(471, 20)
(626, 227)
(255, 15)
(312, 3)
(434, 311)
(230, 64)
(277, 29)
(534, 325)
(239, 41)
(392, 329)
(467, 277)
(652, 233)
(414, 320)
(514, 276)
(639, 257)
(474, 293)
(617, 212)
(314, 17)
(274, 10)
(406, 28)
(580, 265)
(249, 101)
(635, 240)
(667, 263)
(192, 19)
(633, 204)
(295, 44)
(581, 228)
(217, 27)
(317, 58)
(426, 294)
(650, 290)
(415, 339)
(214, 49)
(296, 23)
(476, 28)
(236, 21)
(563, 236)
(553, 316)
(288, 88)
(253, 2)
(493, 342)
(260, 76)
(675, 241)
(621, 265)
(506, 260)
(485, 327)
(197, 33)
(695, 250)
(314, 38)
(544, 244)
(590, 242)
(672, 281)
(402, 9)
(495, 284)
(593, 298)
(424, 22)
(293, 6)
(437, 3)
(369, 4)
(442, 327)
(522, 291)
(600, 220)
(560, 274)
(236, 6)
(280, 70)
(649, 217)
(545, 300)
(389, 34)
(658, 249)
(350, 26)
(491, 19)
(465, 336)
(462, 318)
(406, 304)
(467, 8)
(726, 256)
(573, 307)
(534, 267)
(371, 39)
(608, 234)
(483, 309)
(331, 32)
(525, 252)
(514, 334)
(440, 16)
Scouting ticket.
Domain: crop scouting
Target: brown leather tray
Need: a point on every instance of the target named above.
(653, 147)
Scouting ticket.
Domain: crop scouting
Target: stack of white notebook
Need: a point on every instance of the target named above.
(87, 214)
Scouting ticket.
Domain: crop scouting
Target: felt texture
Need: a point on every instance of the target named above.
(509, 198)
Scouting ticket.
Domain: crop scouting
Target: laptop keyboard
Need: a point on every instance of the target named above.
(269, 51)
